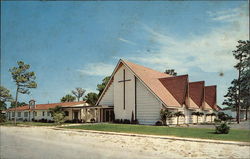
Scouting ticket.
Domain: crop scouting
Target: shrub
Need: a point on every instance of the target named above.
(50, 121)
(43, 120)
(217, 120)
(222, 129)
(2, 118)
(126, 121)
(68, 121)
(92, 120)
(135, 121)
(58, 118)
(117, 121)
(223, 117)
(158, 123)
(75, 121)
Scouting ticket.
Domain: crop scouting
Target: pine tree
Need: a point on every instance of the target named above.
(23, 79)
(238, 93)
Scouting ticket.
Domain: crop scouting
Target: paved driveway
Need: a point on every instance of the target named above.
(45, 143)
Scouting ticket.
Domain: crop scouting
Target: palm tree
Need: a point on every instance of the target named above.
(165, 115)
(169, 114)
(207, 116)
(197, 114)
(178, 114)
(212, 114)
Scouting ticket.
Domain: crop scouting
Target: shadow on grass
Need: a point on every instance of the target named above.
(211, 132)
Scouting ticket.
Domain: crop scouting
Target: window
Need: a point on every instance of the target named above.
(34, 113)
(19, 114)
(48, 113)
(43, 113)
(66, 113)
(13, 114)
(25, 114)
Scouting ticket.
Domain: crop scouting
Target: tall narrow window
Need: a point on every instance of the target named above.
(25, 114)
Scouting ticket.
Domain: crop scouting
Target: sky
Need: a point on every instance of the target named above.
(76, 44)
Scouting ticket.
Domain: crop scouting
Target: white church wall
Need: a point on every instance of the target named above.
(188, 116)
(120, 112)
(148, 107)
(108, 97)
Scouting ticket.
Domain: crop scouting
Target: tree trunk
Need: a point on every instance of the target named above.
(197, 119)
(238, 112)
(16, 104)
(178, 120)
(246, 112)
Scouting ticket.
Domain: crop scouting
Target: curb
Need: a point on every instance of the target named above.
(160, 137)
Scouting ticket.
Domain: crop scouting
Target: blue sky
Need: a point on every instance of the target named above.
(77, 44)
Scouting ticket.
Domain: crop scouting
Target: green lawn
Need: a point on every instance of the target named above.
(20, 123)
(234, 135)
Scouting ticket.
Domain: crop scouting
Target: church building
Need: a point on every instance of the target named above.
(138, 92)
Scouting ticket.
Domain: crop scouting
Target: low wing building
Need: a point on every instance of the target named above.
(74, 111)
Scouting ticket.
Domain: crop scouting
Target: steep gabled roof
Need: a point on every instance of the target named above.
(218, 108)
(151, 80)
(47, 106)
(192, 104)
(196, 92)
(177, 86)
(171, 91)
(210, 96)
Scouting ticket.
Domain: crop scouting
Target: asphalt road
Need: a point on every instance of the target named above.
(42, 143)
(46, 143)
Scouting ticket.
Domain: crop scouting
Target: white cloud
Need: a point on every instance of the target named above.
(229, 15)
(127, 41)
(97, 69)
(210, 52)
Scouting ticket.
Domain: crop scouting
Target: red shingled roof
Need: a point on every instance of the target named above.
(47, 106)
(210, 96)
(172, 91)
(26, 107)
(177, 86)
(150, 78)
(196, 92)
